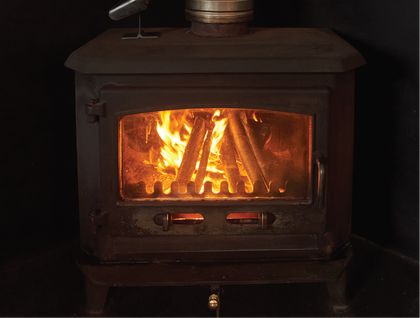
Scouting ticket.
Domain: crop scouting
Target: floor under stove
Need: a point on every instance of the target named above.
(379, 284)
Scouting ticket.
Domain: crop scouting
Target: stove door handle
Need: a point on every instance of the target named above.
(320, 161)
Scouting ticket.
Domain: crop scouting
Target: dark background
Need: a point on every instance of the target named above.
(38, 157)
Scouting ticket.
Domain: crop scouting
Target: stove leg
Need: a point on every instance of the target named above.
(95, 298)
(337, 291)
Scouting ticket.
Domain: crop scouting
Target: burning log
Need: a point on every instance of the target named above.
(262, 132)
(228, 158)
(202, 169)
(192, 151)
(244, 149)
(256, 149)
(279, 171)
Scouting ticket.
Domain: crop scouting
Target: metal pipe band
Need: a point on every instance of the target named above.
(219, 5)
(219, 17)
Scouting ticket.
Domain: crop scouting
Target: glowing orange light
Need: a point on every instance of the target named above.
(155, 150)
(174, 131)
(254, 117)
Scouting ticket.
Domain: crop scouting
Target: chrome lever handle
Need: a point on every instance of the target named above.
(321, 180)
(126, 8)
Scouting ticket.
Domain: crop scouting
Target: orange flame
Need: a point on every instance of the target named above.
(218, 131)
(170, 133)
(254, 117)
(175, 133)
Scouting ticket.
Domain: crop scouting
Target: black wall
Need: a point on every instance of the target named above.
(38, 159)
(385, 184)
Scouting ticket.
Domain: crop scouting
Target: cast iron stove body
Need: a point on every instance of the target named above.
(297, 82)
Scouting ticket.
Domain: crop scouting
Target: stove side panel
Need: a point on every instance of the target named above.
(340, 161)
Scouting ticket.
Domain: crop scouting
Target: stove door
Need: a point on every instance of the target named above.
(207, 162)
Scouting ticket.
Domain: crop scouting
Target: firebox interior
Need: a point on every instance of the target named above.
(215, 153)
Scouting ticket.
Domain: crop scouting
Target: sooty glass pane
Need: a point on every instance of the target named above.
(214, 154)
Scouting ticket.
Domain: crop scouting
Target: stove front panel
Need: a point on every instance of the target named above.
(127, 215)
(137, 210)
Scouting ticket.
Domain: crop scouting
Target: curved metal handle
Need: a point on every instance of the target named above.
(321, 180)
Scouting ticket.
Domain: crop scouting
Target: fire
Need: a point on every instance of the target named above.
(169, 149)
(254, 117)
(175, 142)
(217, 135)
(175, 132)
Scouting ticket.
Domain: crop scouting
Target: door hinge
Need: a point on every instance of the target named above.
(94, 110)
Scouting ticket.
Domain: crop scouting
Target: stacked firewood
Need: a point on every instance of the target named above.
(243, 139)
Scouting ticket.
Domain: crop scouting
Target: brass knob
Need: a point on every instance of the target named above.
(213, 302)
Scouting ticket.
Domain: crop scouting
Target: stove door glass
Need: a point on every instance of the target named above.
(215, 154)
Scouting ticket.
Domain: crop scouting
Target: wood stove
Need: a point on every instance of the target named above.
(202, 159)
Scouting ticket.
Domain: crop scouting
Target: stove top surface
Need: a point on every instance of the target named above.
(262, 50)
